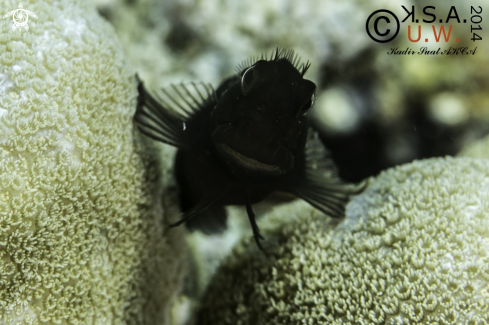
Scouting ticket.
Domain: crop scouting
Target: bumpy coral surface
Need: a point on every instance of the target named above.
(82, 239)
(413, 249)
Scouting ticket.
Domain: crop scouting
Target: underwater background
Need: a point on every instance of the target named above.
(374, 110)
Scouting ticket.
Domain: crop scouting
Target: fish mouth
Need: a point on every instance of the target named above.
(249, 163)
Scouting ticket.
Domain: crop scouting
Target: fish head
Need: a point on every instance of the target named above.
(259, 124)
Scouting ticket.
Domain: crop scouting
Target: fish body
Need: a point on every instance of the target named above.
(243, 141)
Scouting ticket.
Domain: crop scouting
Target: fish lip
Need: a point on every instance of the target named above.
(249, 163)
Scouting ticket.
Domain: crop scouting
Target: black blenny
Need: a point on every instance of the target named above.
(244, 141)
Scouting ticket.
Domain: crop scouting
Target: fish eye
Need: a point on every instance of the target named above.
(308, 105)
(248, 80)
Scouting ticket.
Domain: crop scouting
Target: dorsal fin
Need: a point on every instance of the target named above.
(318, 182)
(168, 115)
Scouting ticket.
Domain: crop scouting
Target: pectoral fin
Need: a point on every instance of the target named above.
(174, 115)
(318, 182)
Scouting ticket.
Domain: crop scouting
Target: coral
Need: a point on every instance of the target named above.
(477, 149)
(413, 249)
(82, 238)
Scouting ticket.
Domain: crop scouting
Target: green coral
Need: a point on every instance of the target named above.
(82, 239)
(413, 249)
